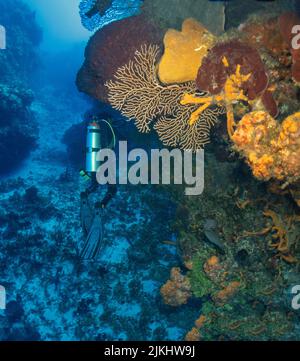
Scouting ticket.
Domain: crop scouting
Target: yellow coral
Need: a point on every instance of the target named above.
(290, 131)
(199, 323)
(272, 150)
(215, 270)
(261, 167)
(253, 129)
(177, 290)
(289, 149)
(223, 296)
(232, 92)
(184, 52)
(225, 62)
(138, 94)
(281, 235)
(193, 335)
(213, 261)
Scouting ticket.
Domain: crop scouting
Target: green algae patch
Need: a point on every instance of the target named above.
(201, 284)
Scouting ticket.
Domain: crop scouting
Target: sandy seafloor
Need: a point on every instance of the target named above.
(51, 293)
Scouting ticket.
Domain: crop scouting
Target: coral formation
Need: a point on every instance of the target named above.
(184, 52)
(270, 103)
(223, 296)
(200, 321)
(232, 93)
(210, 277)
(138, 94)
(177, 290)
(246, 296)
(295, 192)
(227, 80)
(253, 321)
(177, 131)
(200, 282)
(136, 91)
(193, 335)
(215, 270)
(18, 129)
(243, 290)
(233, 283)
(110, 48)
(272, 37)
(231, 77)
(20, 58)
(171, 13)
(215, 71)
(264, 35)
(284, 239)
(240, 277)
(237, 12)
(286, 24)
(271, 149)
(95, 14)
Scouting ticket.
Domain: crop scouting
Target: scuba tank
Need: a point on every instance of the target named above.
(94, 145)
(91, 220)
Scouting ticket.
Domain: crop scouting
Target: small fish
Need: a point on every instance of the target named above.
(170, 243)
(212, 235)
(214, 238)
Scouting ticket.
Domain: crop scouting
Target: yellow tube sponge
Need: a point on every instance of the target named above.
(184, 51)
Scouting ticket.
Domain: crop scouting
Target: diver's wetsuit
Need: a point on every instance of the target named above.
(110, 193)
(91, 220)
(91, 217)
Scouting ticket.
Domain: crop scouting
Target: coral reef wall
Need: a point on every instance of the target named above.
(18, 131)
(101, 62)
(23, 36)
(237, 11)
(171, 13)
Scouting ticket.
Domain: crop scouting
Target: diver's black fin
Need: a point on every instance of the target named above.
(93, 243)
(86, 214)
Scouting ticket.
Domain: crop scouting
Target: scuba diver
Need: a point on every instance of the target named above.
(91, 217)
